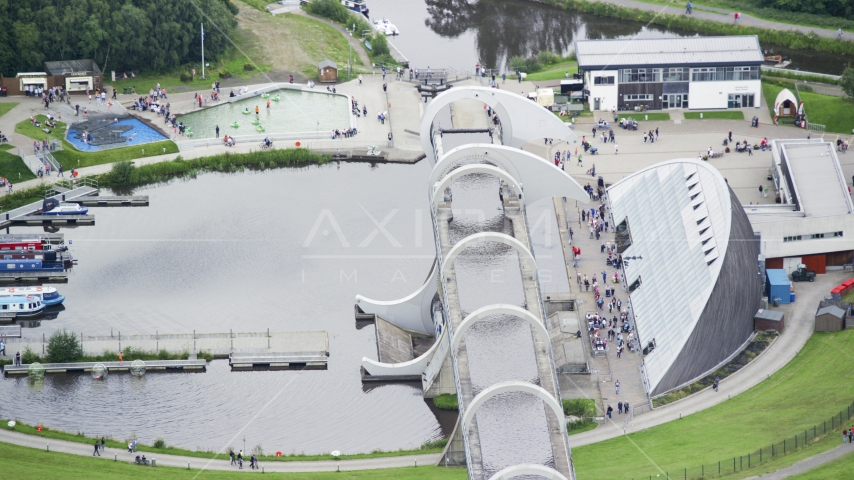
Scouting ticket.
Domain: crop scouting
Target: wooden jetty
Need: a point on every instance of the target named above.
(112, 367)
(7, 219)
(31, 277)
(10, 331)
(53, 220)
(278, 360)
(104, 201)
(302, 347)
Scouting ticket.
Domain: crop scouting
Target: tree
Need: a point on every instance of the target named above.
(63, 347)
(846, 81)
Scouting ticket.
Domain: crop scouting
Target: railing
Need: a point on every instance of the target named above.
(816, 127)
(765, 454)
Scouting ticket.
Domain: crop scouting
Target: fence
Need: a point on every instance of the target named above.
(728, 466)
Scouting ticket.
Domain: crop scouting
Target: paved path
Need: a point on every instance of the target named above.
(810, 463)
(221, 462)
(678, 8)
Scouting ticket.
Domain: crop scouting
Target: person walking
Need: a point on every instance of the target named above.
(18, 359)
(761, 189)
(610, 410)
(217, 131)
(130, 447)
(689, 8)
(839, 34)
(656, 133)
(2, 348)
(231, 454)
(97, 452)
(616, 149)
(617, 387)
(765, 193)
(620, 408)
(717, 383)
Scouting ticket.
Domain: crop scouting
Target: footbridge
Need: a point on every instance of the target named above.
(436, 308)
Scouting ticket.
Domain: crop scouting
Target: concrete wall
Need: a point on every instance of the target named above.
(773, 232)
(713, 95)
(607, 94)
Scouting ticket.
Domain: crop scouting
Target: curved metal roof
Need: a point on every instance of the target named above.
(689, 51)
(679, 215)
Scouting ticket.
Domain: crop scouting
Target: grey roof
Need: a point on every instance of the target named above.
(833, 310)
(327, 63)
(63, 67)
(819, 185)
(693, 51)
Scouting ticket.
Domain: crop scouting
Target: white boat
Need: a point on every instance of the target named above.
(386, 27)
(20, 306)
(356, 6)
(48, 295)
(67, 209)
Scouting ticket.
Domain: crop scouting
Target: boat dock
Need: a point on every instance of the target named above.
(50, 238)
(279, 360)
(99, 201)
(53, 220)
(301, 347)
(112, 367)
(32, 277)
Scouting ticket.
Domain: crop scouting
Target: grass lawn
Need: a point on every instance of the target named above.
(5, 107)
(836, 113)
(804, 393)
(554, 72)
(750, 8)
(727, 115)
(839, 468)
(23, 462)
(69, 156)
(645, 116)
(11, 166)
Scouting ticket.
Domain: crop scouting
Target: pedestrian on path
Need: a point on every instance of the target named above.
(717, 383)
(231, 452)
(130, 447)
(18, 359)
(2, 348)
(616, 149)
(765, 193)
(761, 189)
(689, 8)
(736, 16)
(839, 34)
(96, 452)
(845, 436)
(617, 387)
(620, 408)
(656, 133)
(217, 131)
(610, 409)
(103, 442)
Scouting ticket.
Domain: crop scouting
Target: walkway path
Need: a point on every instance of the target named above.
(221, 462)
(809, 463)
(678, 8)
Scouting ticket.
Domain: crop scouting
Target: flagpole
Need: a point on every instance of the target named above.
(203, 50)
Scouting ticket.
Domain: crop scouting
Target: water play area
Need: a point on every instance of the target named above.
(104, 132)
(289, 111)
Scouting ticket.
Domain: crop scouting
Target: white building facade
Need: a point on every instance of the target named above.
(668, 73)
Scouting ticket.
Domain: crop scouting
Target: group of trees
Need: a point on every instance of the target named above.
(121, 35)
(835, 8)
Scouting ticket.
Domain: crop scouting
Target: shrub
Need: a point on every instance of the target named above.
(123, 173)
(29, 356)
(159, 443)
(579, 407)
(578, 424)
(705, 158)
(846, 81)
(532, 64)
(547, 57)
(63, 347)
(446, 401)
(379, 44)
(331, 9)
(257, 450)
(516, 64)
(186, 77)
(434, 444)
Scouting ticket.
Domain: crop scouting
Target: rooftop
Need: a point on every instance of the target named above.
(833, 310)
(816, 177)
(694, 51)
(64, 67)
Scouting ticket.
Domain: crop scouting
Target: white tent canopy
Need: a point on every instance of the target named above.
(784, 95)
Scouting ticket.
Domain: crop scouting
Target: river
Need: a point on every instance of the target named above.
(460, 34)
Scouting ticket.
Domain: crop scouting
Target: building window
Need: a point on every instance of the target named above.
(817, 235)
(679, 74)
(637, 97)
(719, 74)
(640, 75)
(603, 80)
(793, 238)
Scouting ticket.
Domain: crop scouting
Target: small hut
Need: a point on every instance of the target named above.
(327, 71)
(829, 319)
(765, 320)
(786, 105)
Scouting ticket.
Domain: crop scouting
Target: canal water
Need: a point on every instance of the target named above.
(283, 249)
(512, 427)
(461, 33)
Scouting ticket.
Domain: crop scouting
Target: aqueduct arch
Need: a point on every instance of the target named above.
(483, 237)
(498, 309)
(507, 387)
